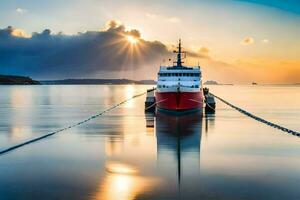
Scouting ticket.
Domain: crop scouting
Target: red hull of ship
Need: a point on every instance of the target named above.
(179, 101)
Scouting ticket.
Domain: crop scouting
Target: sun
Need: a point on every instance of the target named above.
(132, 39)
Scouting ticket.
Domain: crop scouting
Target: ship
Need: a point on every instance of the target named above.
(179, 87)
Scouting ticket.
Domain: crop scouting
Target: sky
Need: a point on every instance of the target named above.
(237, 41)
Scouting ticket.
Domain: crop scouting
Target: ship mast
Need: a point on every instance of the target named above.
(179, 53)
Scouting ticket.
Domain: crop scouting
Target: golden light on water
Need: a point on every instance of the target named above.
(122, 182)
(21, 97)
(113, 146)
(18, 133)
(119, 168)
(132, 39)
(129, 92)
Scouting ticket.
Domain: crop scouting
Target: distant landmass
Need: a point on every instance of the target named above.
(97, 82)
(210, 82)
(17, 80)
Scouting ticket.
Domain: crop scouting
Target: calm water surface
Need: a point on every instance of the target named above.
(125, 154)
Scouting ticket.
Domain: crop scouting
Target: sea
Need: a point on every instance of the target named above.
(127, 154)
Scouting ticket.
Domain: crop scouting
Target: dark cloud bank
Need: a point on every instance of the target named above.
(46, 55)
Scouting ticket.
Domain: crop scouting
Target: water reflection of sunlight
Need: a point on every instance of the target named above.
(113, 146)
(119, 187)
(21, 97)
(19, 132)
(129, 92)
(123, 183)
(119, 168)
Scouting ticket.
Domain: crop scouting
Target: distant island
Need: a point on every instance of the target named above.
(210, 82)
(97, 82)
(17, 80)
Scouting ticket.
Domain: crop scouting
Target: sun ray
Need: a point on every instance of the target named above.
(133, 40)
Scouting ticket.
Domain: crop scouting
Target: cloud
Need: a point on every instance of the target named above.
(247, 41)
(109, 54)
(13, 32)
(174, 20)
(202, 52)
(151, 15)
(21, 10)
(265, 41)
(49, 55)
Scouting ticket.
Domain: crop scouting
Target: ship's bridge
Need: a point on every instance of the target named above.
(183, 77)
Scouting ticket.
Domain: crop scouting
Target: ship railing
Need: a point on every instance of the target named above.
(181, 86)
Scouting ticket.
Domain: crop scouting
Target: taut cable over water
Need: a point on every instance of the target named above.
(295, 133)
(69, 127)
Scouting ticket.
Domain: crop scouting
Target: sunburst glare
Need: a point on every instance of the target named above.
(132, 39)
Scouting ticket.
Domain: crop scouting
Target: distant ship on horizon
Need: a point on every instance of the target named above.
(179, 88)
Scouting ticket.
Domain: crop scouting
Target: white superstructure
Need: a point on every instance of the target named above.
(184, 79)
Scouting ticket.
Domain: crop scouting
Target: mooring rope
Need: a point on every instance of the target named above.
(286, 130)
(154, 104)
(69, 127)
(207, 104)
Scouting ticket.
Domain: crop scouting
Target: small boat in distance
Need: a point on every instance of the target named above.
(179, 88)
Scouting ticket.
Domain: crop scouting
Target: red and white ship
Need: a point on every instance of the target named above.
(179, 88)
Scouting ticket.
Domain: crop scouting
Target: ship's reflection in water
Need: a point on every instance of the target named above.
(178, 146)
(178, 141)
(209, 121)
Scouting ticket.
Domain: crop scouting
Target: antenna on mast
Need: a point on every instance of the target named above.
(179, 54)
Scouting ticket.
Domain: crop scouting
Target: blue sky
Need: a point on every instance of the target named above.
(286, 5)
(39, 14)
